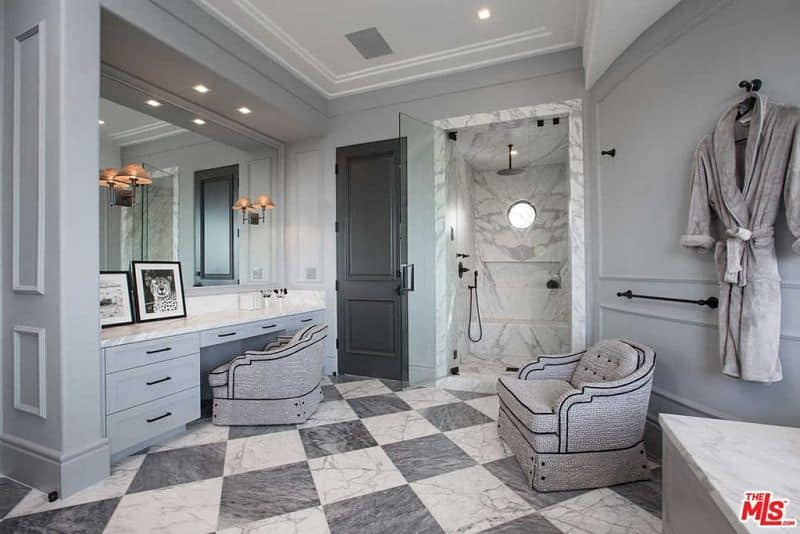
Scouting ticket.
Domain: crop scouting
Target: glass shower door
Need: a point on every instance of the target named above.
(423, 234)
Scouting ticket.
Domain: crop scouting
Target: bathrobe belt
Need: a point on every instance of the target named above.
(737, 261)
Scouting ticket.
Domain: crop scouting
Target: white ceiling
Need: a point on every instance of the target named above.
(429, 38)
(125, 126)
(611, 26)
(485, 147)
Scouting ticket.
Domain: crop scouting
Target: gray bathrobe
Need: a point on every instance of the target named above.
(742, 183)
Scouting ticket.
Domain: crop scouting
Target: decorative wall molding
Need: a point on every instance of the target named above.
(38, 333)
(308, 180)
(37, 285)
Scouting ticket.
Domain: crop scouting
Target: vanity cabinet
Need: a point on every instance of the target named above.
(153, 385)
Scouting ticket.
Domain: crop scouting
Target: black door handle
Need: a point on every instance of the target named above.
(154, 419)
(227, 334)
(165, 349)
(154, 382)
(306, 320)
(269, 326)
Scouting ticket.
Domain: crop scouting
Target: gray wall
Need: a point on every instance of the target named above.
(653, 106)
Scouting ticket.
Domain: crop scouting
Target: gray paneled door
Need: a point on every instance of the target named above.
(369, 251)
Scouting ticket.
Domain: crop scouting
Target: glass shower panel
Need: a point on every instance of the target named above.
(424, 240)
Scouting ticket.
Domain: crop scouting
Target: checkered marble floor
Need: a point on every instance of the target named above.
(372, 459)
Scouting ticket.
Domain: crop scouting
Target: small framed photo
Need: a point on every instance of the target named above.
(159, 290)
(116, 302)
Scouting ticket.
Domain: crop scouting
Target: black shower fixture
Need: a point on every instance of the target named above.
(510, 171)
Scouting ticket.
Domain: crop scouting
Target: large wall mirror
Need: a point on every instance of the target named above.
(198, 170)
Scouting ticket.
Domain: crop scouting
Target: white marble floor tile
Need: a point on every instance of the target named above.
(426, 397)
(326, 381)
(470, 500)
(261, 452)
(330, 412)
(488, 406)
(342, 476)
(399, 426)
(116, 485)
(601, 511)
(308, 521)
(362, 388)
(199, 433)
(184, 508)
(475, 382)
(481, 442)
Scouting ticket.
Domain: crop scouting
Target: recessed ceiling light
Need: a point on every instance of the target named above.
(153, 103)
(484, 13)
(199, 121)
(514, 152)
(244, 110)
(200, 88)
(101, 122)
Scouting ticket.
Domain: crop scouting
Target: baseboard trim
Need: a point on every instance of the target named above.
(48, 469)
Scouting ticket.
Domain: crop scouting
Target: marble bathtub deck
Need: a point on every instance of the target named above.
(372, 459)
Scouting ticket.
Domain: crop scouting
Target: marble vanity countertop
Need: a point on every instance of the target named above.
(196, 322)
(731, 457)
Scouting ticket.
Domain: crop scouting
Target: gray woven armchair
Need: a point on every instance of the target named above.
(279, 385)
(576, 421)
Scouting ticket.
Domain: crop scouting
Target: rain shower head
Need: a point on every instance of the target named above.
(510, 171)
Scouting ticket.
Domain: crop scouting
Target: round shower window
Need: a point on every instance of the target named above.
(521, 214)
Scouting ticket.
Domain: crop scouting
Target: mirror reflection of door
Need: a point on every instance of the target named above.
(216, 225)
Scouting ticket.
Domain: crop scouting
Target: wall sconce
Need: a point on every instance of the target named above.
(249, 216)
(107, 180)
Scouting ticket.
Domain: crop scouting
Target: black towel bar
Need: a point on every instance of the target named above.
(711, 302)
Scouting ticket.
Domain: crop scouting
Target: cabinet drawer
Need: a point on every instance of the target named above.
(146, 421)
(132, 387)
(147, 352)
(267, 326)
(224, 335)
(296, 322)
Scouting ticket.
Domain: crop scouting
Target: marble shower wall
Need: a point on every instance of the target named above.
(521, 316)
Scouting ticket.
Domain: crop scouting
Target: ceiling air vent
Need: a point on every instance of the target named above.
(369, 43)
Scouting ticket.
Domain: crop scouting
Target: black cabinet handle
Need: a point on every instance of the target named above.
(269, 326)
(159, 381)
(165, 349)
(306, 320)
(154, 419)
(227, 334)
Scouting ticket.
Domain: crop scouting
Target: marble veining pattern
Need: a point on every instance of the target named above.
(399, 472)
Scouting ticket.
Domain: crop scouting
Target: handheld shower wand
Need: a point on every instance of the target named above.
(474, 288)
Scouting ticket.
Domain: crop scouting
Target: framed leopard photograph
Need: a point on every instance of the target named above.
(159, 290)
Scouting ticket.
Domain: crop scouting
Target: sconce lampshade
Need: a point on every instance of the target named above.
(264, 202)
(107, 179)
(243, 204)
(133, 174)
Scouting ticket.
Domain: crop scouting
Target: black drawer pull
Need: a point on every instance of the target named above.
(227, 334)
(269, 326)
(154, 382)
(165, 349)
(154, 419)
(306, 320)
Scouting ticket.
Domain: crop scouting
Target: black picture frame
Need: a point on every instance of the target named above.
(147, 302)
(126, 299)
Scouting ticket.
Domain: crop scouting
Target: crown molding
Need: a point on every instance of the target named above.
(147, 132)
(333, 80)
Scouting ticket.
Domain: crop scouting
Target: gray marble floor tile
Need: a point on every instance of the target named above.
(179, 466)
(468, 395)
(509, 471)
(396, 510)
(237, 432)
(330, 393)
(394, 385)
(454, 415)
(646, 493)
(11, 492)
(87, 518)
(427, 456)
(336, 438)
(341, 379)
(378, 405)
(533, 523)
(261, 494)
